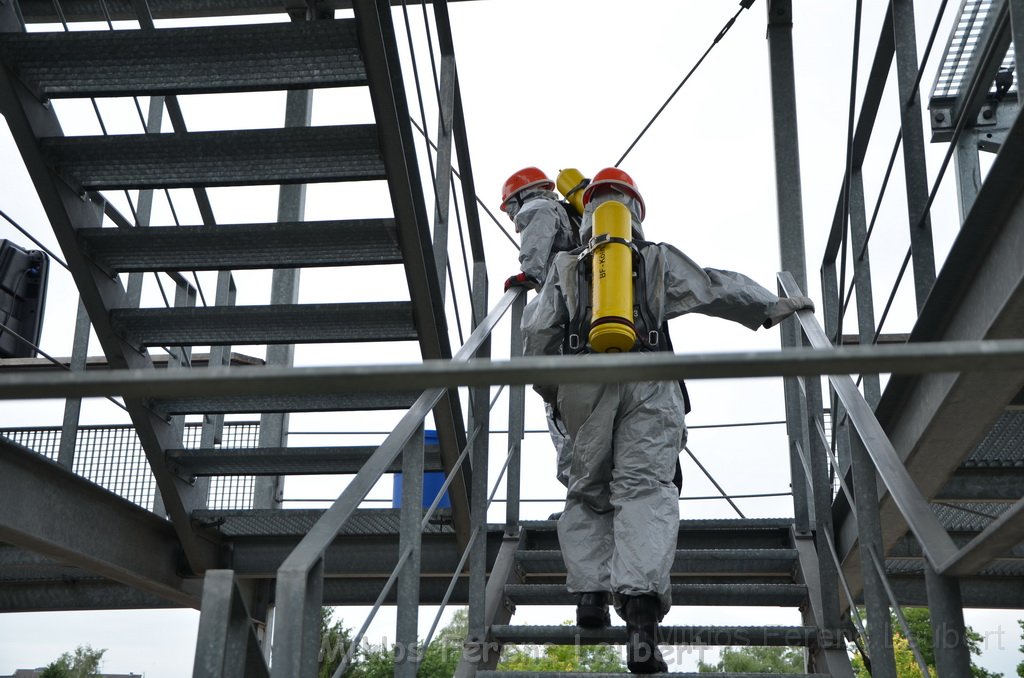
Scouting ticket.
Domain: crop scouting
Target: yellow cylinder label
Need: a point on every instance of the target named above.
(566, 181)
(611, 324)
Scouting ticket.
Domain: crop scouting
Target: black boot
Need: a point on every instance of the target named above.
(592, 610)
(642, 653)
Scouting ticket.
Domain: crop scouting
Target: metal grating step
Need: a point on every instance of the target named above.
(687, 561)
(360, 242)
(297, 522)
(256, 403)
(751, 533)
(275, 324)
(765, 595)
(285, 460)
(233, 158)
(778, 636)
(292, 55)
(36, 11)
(570, 674)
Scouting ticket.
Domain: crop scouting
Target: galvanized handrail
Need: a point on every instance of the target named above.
(935, 541)
(291, 646)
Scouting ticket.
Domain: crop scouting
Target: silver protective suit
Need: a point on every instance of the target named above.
(618, 531)
(544, 231)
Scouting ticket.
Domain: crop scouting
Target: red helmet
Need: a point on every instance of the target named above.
(527, 177)
(613, 176)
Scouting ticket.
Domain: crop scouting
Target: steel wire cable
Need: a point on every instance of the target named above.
(477, 197)
(744, 4)
(35, 241)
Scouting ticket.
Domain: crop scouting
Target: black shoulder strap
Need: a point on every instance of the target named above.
(668, 347)
(575, 221)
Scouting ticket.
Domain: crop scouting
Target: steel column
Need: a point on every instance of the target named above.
(407, 651)
(952, 653)
(968, 172)
(226, 646)
(915, 167)
(790, 214)
(143, 212)
(865, 490)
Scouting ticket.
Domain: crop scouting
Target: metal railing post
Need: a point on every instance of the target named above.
(952, 654)
(516, 423)
(73, 406)
(791, 235)
(865, 490)
(479, 421)
(407, 658)
(862, 280)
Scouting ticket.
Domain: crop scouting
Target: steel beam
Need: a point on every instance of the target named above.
(391, 111)
(986, 358)
(48, 510)
(1004, 533)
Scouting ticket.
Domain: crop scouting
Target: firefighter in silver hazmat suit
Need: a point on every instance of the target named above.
(618, 530)
(544, 230)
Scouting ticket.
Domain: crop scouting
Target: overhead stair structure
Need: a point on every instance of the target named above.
(909, 493)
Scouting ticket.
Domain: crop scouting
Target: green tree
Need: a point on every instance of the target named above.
(1020, 667)
(335, 640)
(920, 625)
(442, 657)
(757, 659)
(83, 663)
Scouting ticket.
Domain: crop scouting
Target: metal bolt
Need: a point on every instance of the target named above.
(988, 113)
(940, 117)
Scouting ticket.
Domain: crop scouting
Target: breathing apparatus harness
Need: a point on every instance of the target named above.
(651, 336)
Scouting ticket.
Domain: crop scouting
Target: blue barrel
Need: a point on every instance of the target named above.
(432, 482)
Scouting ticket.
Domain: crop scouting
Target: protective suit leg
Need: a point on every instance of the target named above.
(648, 437)
(562, 442)
(585, 527)
(621, 519)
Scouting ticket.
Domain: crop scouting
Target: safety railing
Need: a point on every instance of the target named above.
(873, 456)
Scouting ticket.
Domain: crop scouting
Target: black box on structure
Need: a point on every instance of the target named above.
(23, 275)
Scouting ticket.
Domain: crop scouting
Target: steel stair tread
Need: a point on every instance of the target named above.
(257, 403)
(289, 55)
(272, 324)
(785, 636)
(570, 674)
(285, 460)
(758, 533)
(225, 158)
(36, 11)
(734, 561)
(724, 594)
(258, 523)
(243, 246)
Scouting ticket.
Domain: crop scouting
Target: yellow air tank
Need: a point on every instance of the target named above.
(611, 324)
(570, 184)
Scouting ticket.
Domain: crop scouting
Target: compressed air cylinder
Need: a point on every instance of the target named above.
(611, 324)
(570, 183)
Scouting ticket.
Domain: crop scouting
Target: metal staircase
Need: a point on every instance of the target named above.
(741, 562)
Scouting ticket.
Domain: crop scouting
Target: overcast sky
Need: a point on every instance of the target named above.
(556, 84)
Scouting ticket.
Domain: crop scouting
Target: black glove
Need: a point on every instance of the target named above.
(786, 307)
(522, 280)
